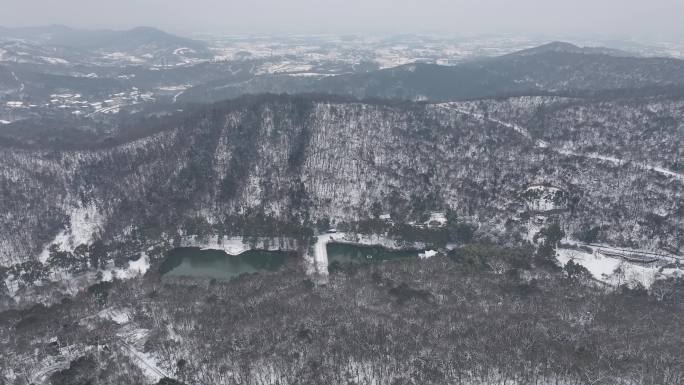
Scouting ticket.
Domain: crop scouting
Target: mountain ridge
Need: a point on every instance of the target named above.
(300, 159)
(138, 43)
(566, 47)
(550, 68)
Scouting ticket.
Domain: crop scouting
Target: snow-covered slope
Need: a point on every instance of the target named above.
(296, 159)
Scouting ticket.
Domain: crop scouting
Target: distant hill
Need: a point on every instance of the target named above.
(316, 156)
(141, 42)
(564, 47)
(558, 68)
(125, 41)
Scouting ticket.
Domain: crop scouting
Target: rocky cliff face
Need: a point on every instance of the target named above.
(296, 160)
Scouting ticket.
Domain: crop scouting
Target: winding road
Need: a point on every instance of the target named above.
(543, 144)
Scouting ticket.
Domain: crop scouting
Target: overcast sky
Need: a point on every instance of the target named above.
(637, 18)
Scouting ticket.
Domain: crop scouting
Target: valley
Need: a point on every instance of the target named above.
(338, 210)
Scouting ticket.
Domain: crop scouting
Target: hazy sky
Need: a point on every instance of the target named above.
(636, 18)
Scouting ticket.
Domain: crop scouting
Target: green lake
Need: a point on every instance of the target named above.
(195, 262)
(342, 254)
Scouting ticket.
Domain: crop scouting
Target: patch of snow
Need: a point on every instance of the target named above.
(176, 96)
(183, 51)
(173, 335)
(564, 151)
(232, 246)
(12, 285)
(311, 74)
(180, 87)
(437, 219)
(84, 222)
(616, 271)
(239, 245)
(123, 56)
(543, 198)
(427, 254)
(53, 60)
(388, 59)
(134, 269)
(119, 316)
(320, 258)
(380, 240)
(608, 249)
(283, 68)
(146, 362)
(619, 162)
(517, 128)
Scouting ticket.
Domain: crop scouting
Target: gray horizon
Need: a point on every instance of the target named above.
(626, 18)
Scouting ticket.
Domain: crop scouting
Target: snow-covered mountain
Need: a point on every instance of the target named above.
(556, 68)
(60, 45)
(502, 219)
(299, 160)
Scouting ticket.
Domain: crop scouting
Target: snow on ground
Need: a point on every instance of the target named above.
(64, 281)
(534, 226)
(178, 90)
(393, 57)
(230, 245)
(379, 240)
(4, 121)
(177, 95)
(563, 151)
(310, 74)
(51, 364)
(132, 342)
(608, 249)
(320, 259)
(119, 316)
(438, 219)
(543, 198)
(283, 67)
(239, 245)
(519, 129)
(12, 285)
(180, 87)
(21, 291)
(84, 221)
(427, 254)
(122, 56)
(183, 51)
(664, 171)
(134, 269)
(616, 271)
(619, 162)
(53, 60)
(173, 335)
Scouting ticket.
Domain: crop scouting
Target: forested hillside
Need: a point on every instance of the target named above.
(507, 220)
(302, 159)
(482, 315)
(560, 69)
